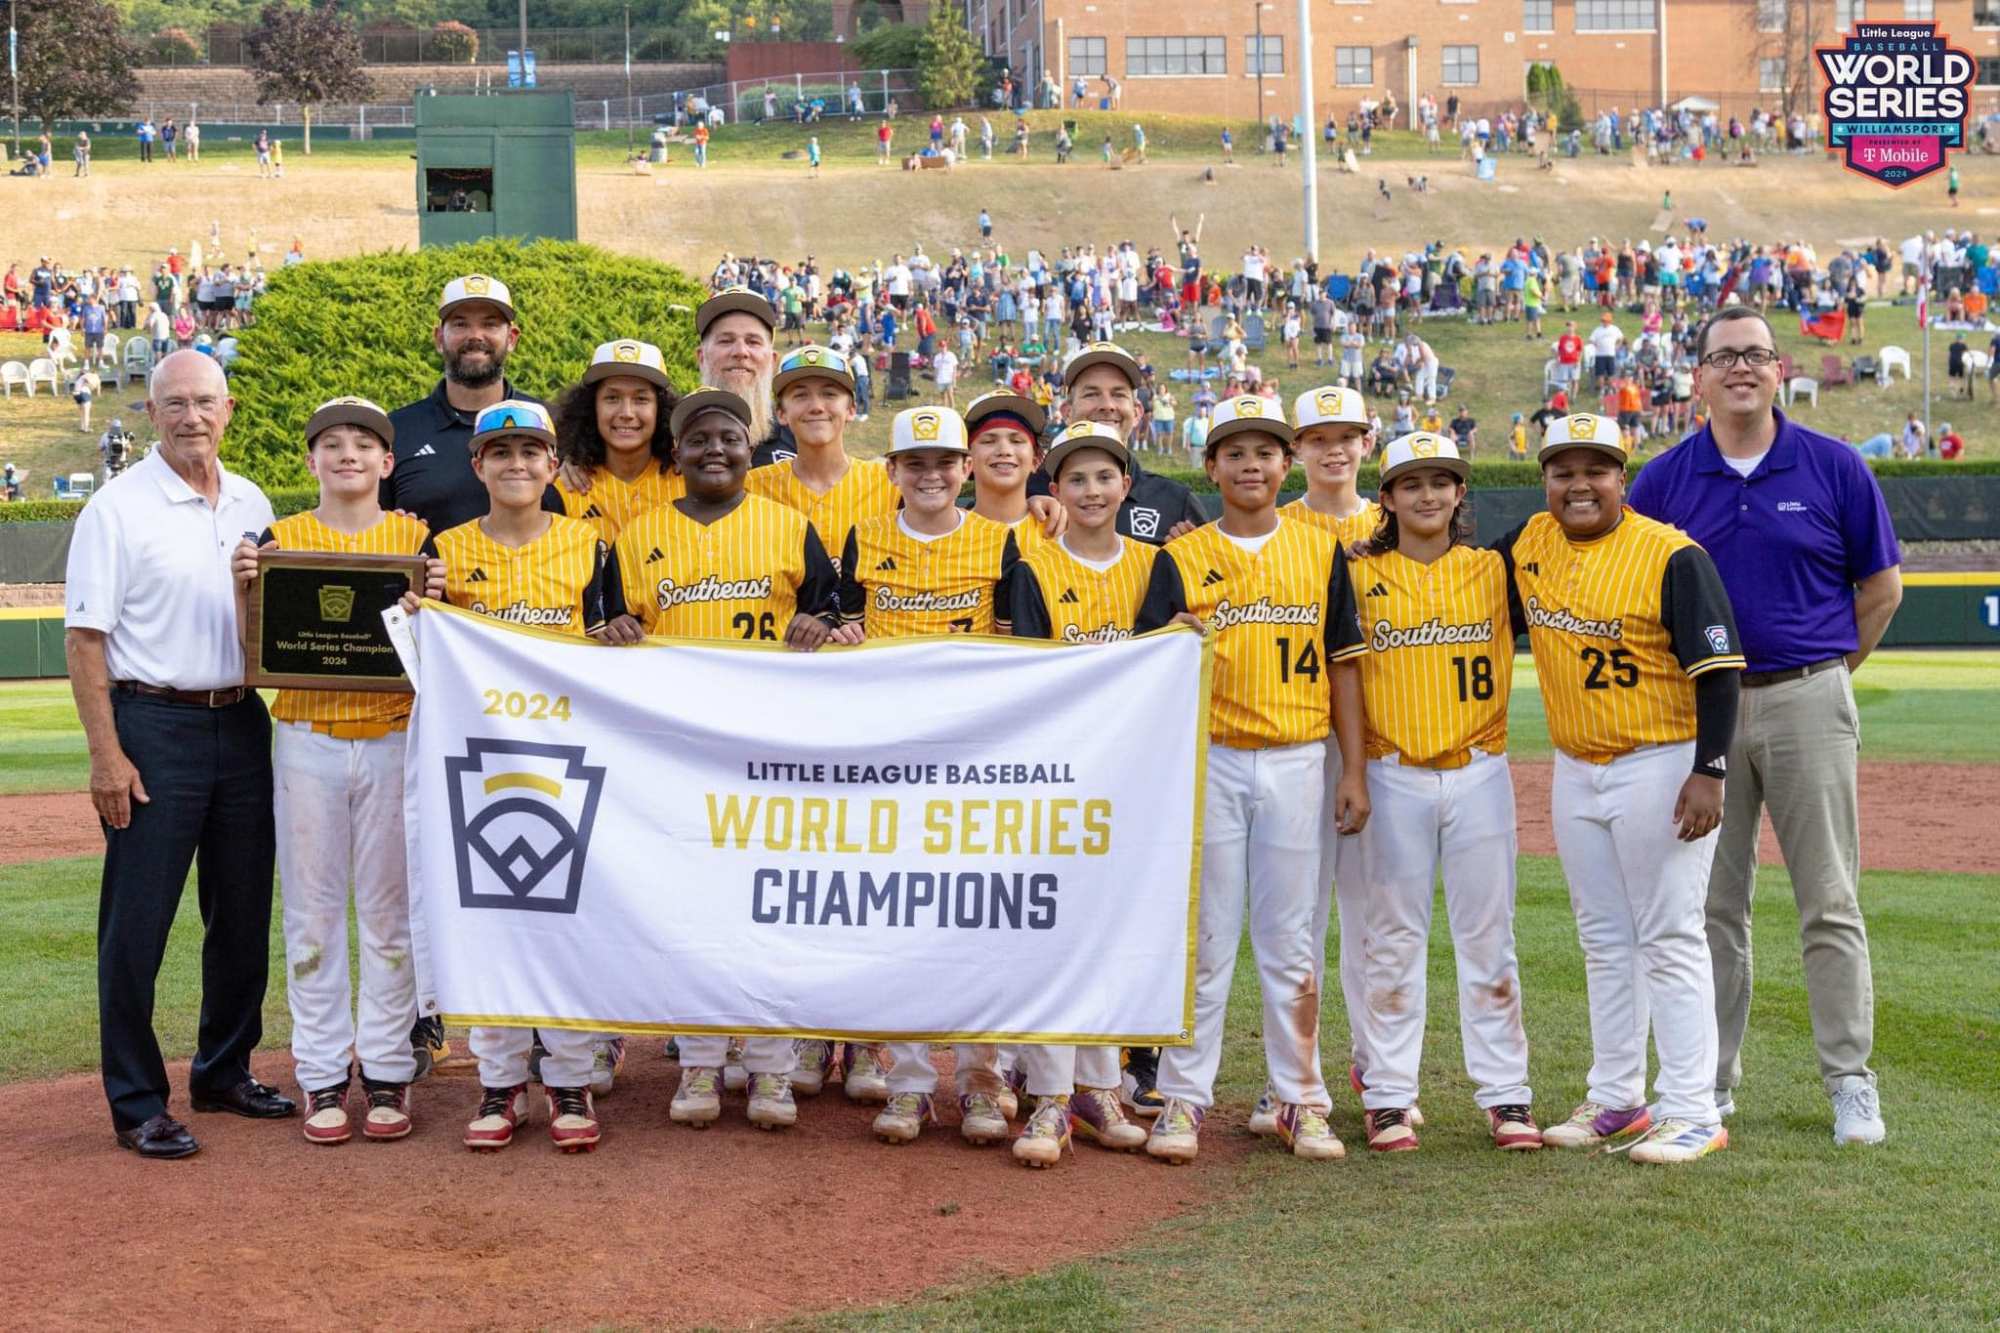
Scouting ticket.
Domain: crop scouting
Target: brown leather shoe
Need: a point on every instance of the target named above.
(162, 1136)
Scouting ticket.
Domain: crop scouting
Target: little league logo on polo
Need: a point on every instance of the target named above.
(1896, 99)
(521, 815)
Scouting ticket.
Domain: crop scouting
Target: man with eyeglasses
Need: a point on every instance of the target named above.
(1801, 535)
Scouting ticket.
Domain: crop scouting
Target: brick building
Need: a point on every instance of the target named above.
(1201, 56)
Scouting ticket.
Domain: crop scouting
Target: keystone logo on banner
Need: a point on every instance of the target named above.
(1896, 99)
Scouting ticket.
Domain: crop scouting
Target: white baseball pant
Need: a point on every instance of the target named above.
(1057, 1071)
(1261, 847)
(503, 1056)
(1424, 380)
(1460, 821)
(978, 1067)
(761, 1055)
(1639, 895)
(339, 810)
(1341, 884)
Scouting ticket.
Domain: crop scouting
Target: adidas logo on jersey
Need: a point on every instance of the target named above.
(1532, 567)
(1379, 590)
(1069, 597)
(476, 576)
(654, 555)
(425, 452)
(1210, 579)
(593, 512)
(888, 562)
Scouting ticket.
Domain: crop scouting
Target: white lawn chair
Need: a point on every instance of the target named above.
(138, 357)
(12, 373)
(41, 368)
(1802, 384)
(1976, 364)
(1549, 381)
(107, 359)
(1894, 356)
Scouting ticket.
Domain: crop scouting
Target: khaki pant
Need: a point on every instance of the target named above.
(1796, 753)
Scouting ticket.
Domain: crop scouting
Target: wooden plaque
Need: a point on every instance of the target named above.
(313, 620)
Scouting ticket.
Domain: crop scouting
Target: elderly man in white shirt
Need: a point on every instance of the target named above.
(180, 756)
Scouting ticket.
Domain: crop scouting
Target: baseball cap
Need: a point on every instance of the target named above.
(628, 356)
(1329, 405)
(476, 287)
(812, 362)
(1422, 448)
(707, 398)
(1582, 430)
(1246, 412)
(513, 416)
(1102, 354)
(1086, 435)
(350, 411)
(1000, 402)
(729, 300)
(918, 428)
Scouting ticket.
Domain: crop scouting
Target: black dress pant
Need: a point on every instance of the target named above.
(207, 772)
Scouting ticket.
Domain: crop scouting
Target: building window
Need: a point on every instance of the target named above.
(1354, 66)
(1538, 15)
(1273, 57)
(1985, 13)
(1920, 9)
(1771, 74)
(1155, 56)
(1614, 15)
(1461, 66)
(1770, 15)
(1847, 13)
(1989, 71)
(1086, 55)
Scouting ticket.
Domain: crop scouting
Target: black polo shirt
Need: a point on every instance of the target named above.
(1152, 509)
(776, 448)
(433, 476)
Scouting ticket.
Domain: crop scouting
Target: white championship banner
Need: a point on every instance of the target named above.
(956, 838)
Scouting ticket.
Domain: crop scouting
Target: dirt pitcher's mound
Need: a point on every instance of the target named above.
(661, 1226)
(1913, 816)
(48, 825)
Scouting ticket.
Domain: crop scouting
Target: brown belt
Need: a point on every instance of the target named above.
(1757, 680)
(196, 698)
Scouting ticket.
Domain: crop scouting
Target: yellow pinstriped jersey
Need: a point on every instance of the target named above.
(863, 492)
(1029, 536)
(743, 576)
(1356, 527)
(392, 534)
(1053, 595)
(611, 503)
(556, 582)
(900, 586)
(1440, 660)
(1620, 626)
(1281, 617)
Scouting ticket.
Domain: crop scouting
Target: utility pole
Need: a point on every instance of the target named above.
(14, 70)
(1258, 7)
(524, 43)
(1308, 141)
(628, 79)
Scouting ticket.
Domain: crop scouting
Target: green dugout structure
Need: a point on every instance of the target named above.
(502, 164)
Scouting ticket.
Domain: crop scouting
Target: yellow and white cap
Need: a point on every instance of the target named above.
(1329, 405)
(1101, 354)
(812, 362)
(351, 411)
(918, 428)
(1247, 412)
(628, 356)
(1420, 449)
(706, 399)
(1086, 435)
(1582, 430)
(476, 287)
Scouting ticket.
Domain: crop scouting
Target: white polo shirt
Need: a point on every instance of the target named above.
(149, 567)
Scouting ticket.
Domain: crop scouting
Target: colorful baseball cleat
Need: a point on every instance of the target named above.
(698, 1100)
(1305, 1131)
(902, 1119)
(1857, 1111)
(771, 1104)
(1514, 1128)
(1045, 1135)
(1136, 1086)
(1594, 1123)
(815, 1065)
(1096, 1117)
(1176, 1136)
(607, 1057)
(1389, 1129)
(1674, 1140)
(501, 1112)
(979, 1118)
(326, 1115)
(572, 1119)
(388, 1115)
(862, 1074)
(1264, 1115)
(1355, 1082)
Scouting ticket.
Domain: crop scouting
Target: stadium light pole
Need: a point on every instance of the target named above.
(628, 80)
(524, 43)
(14, 71)
(1310, 137)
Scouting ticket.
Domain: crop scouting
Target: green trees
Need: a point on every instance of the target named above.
(949, 63)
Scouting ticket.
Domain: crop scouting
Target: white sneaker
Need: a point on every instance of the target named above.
(1264, 1116)
(1857, 1112)
(698, 1100)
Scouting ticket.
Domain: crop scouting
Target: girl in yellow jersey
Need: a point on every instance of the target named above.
(1435, 683)
(933, 568)
(1275, 594)
(338, 768)
(612, 428)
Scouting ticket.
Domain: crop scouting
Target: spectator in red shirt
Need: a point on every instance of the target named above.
(1950, 444)
(1569, 354)
(882, 136)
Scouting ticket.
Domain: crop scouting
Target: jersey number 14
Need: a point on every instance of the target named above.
(1306, 664)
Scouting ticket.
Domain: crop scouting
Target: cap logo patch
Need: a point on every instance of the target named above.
(1081, 428)
(925, 426)
(1250, 407)
(1328, 401)
(625, 352)
(476, 285)
(1423, 447)
(1583, 428)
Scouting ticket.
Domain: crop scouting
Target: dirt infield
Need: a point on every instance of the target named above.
(43, 826)
(741, 1226)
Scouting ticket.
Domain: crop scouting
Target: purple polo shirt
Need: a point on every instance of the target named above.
(1790, 540)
